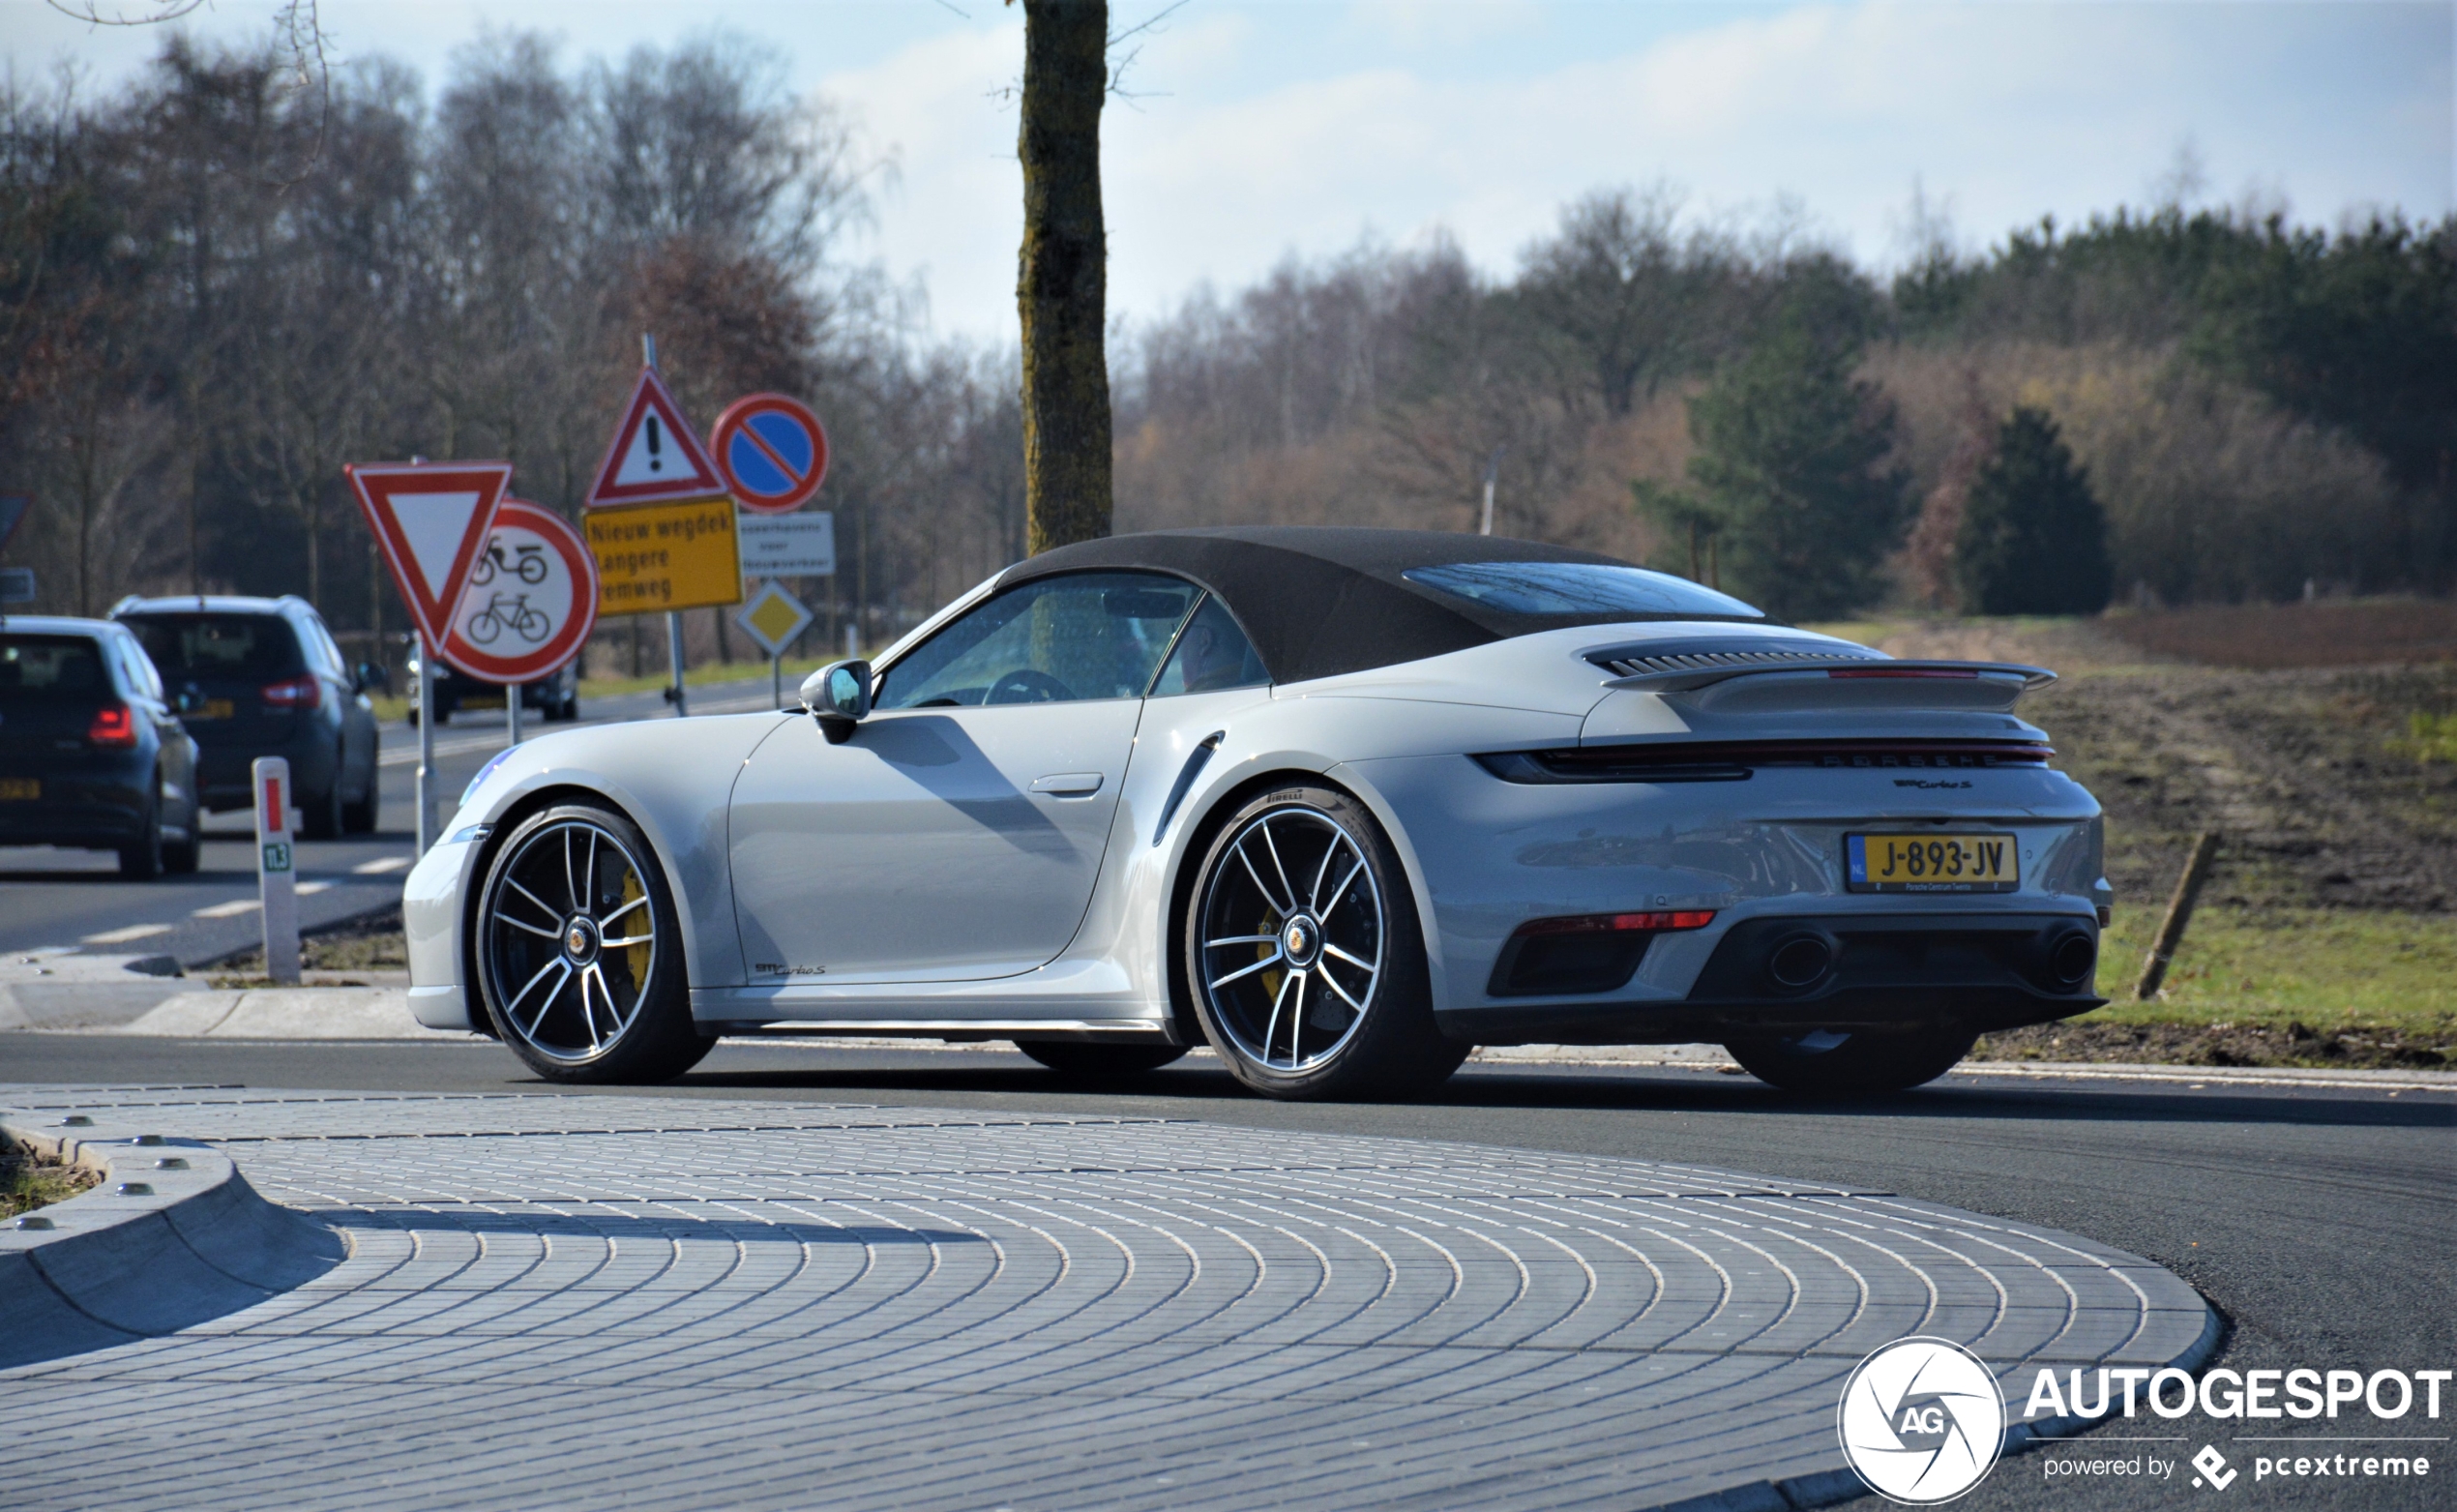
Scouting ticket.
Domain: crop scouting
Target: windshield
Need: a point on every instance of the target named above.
(248, 647)
(1579, 588)
(51, 670)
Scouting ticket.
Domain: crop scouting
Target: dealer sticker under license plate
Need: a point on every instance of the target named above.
(1967, 863)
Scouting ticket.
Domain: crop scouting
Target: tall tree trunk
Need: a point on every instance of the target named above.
(1062, 274)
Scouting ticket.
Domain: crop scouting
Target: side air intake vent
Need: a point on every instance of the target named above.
(1691, 656)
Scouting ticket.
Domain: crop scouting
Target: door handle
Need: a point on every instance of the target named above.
(1068, 785)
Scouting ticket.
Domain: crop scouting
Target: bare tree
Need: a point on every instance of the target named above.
(1062, 275)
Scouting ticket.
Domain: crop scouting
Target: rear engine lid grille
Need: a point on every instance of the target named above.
(1692, 656)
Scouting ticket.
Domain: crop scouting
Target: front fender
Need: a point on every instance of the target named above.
(672, 778)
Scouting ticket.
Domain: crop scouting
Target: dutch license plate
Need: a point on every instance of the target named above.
(20, 790)
(1965, 863)
(214, 709)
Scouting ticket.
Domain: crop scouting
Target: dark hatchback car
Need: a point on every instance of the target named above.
(261, 678)
(556, 698)
(92, 754)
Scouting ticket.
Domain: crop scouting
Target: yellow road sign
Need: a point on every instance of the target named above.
(666, 556)
(773, 618)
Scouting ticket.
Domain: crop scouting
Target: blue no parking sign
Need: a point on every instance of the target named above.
(771, 451)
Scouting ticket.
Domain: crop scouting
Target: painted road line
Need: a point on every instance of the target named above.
(380, 866)
(228, 910)
(408, 755)
(2197, 1078)
(311, 889)
(123, 935)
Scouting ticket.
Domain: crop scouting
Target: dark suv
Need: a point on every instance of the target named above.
(91, 753)
(261, 678)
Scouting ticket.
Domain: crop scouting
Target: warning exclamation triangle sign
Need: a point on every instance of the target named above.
(654, 456)
(431, 520)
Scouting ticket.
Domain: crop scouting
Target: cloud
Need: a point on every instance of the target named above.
(1264, 137)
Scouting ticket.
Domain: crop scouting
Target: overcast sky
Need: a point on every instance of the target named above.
(1259, 129)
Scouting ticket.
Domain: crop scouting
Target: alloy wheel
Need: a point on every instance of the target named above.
(568, 939)
(1292, 939)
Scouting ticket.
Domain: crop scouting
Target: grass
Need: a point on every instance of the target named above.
(2322, 966)
(796, 668)
(2428, 737)
(28, 1181)
(373, 944)
(2325, 987)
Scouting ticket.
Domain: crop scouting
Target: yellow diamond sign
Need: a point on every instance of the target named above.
(773, 619)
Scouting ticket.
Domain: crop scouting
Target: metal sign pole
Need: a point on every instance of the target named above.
(512, 711)
(776, 678)
(674, 649)
(425, 744)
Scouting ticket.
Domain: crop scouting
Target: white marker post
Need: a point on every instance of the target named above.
(277, 885)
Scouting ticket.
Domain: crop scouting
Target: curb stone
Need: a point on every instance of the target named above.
(155, 1248)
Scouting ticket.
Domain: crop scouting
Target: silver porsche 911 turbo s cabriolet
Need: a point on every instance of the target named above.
(1341, 804)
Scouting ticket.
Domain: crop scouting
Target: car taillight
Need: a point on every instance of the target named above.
(299, 692)
(1620, 923)
(115, 725)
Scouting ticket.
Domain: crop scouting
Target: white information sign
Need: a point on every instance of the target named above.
(787, 545)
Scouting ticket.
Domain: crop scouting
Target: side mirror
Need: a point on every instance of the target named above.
(839, 697)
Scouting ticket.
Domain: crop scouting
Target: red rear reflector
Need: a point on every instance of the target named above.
(1901, 671)
(299, 692)
(114, 726)
(1620, 923)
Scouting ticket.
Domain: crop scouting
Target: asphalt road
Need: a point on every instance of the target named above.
(2316, 1220)
(75, 898)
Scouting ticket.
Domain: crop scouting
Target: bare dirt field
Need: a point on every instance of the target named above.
(2309, 738)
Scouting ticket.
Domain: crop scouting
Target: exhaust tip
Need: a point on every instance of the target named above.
(1801, 962)
(2072, 958)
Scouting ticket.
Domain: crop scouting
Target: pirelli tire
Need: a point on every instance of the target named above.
(1303, 956)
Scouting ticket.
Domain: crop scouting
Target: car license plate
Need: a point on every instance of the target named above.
(20, 790)
(214, 709)
(1963, 863)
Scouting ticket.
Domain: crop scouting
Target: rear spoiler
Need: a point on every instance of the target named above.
(1841, 669)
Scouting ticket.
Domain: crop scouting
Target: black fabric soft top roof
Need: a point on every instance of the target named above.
(1320, 601)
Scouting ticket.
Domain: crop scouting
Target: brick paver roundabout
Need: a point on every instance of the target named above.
(555, 1301)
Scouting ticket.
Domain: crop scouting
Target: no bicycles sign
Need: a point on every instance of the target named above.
(531, 601)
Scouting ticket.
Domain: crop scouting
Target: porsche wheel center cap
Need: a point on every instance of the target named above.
(1301, 940)
(580, 939)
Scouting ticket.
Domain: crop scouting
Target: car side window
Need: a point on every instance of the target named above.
(1056, 640)
(320, 648)
(1212, 654)
(142, 679)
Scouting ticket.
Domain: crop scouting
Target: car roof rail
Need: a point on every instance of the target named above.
(129, 601)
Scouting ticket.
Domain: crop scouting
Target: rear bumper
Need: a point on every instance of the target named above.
(225, 773)
(86, 806)
(1975, 972)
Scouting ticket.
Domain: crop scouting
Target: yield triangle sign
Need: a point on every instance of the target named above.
(654, 456)
(430, 518)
